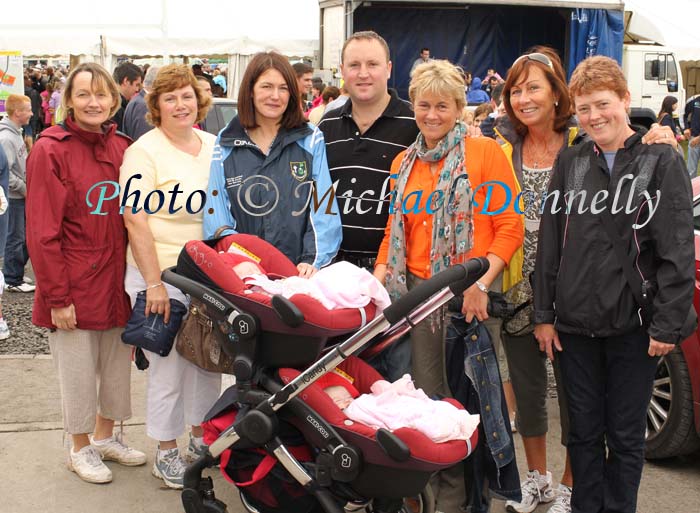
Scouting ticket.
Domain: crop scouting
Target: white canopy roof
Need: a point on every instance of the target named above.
(152, 27)
(675, 26)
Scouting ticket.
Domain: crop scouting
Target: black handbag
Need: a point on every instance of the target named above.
(150, 332)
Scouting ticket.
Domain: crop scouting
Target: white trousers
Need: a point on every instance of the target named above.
(179, 393)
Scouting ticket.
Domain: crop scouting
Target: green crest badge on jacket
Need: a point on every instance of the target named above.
(299, 170)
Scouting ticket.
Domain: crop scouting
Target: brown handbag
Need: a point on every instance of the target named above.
(197, 341)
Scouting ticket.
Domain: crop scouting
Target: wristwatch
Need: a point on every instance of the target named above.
(483, 288)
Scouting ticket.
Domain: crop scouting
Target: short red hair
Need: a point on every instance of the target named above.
(598, 73)
(14, 102)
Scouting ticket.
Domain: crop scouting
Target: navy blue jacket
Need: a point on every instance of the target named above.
(695, 118)
(272, 196)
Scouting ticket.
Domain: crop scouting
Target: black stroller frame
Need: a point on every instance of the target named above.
(340, 463)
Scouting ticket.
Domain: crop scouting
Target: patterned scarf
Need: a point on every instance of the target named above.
(452, 236)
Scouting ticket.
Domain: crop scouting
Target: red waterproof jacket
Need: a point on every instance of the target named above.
(78, 257)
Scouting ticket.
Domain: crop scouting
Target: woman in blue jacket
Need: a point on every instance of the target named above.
(269, 175)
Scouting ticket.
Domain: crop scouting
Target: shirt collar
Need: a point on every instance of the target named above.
(392, 110)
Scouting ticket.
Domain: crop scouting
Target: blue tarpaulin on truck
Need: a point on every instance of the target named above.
(595, 32)
(478, 36)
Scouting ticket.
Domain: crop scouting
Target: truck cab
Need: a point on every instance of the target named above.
(652, 74)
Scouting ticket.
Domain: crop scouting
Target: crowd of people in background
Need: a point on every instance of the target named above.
(44, 86)
(526, 131)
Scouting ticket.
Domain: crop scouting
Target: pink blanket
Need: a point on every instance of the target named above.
(401, 404)
(340, 285)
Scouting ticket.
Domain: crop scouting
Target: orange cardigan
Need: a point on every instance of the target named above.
(500, 234)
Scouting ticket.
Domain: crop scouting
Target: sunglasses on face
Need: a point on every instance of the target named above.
(537, 57)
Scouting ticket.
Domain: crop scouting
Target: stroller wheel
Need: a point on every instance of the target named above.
(246, 504)
(424, 502)
(421, 503)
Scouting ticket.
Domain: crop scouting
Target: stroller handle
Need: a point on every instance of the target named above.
(458, 277)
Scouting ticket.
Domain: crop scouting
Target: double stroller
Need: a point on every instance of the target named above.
(275, 434)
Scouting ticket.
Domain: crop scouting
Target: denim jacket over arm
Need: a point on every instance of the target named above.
(475, 381)
(481, 367)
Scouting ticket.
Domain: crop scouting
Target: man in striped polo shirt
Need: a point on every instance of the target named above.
(362, 138)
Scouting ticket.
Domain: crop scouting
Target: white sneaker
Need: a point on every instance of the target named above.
(562, 504)
(195, 449)
(114, 449)
(22, 287)
(169, 467)
(4, 330)
(27, 279)
(87, 463)
(536, 489)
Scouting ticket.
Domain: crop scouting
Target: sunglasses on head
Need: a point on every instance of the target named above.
(537, 57)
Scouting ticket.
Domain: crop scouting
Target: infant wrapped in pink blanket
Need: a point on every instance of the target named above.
(340, 285)
(401, 404)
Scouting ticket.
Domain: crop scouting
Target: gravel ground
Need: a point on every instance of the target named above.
(25, 338)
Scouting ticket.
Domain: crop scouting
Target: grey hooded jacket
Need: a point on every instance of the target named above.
(12, 142)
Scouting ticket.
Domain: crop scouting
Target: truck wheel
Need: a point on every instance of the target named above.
(670, 427)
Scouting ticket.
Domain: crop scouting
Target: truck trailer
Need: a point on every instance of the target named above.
(482, 34)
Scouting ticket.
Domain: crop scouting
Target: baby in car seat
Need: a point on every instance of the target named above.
(399, 404)
(338, 385)
(340, 285)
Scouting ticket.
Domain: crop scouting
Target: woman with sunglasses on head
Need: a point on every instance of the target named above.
(539, 125)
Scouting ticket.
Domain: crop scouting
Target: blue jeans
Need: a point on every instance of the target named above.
(4, 225)
(693, 159)
(16, 255)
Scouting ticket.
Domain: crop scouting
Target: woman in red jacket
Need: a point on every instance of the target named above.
(78, 258)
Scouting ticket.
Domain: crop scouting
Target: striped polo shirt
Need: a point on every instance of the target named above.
(360, 164)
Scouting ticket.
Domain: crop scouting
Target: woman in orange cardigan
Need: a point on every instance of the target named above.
(428, 237)
(442, 217)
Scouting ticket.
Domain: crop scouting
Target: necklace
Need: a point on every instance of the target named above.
(539, 157)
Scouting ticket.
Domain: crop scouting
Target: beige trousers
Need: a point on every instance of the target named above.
(94, 375)
(428, 350)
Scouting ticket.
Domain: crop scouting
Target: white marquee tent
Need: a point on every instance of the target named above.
(156, 27)
(673, 24)
(237, 29)
(149, 28)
